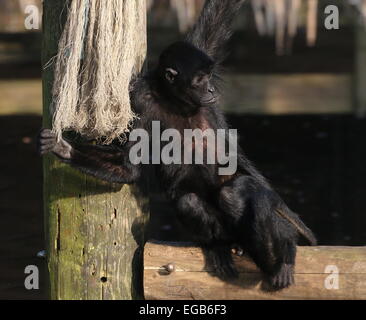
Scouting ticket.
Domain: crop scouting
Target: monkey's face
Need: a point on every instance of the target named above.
(186, 74)
(201, 88)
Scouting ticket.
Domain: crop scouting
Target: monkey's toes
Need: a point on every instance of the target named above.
(283, 278)
(226, 271)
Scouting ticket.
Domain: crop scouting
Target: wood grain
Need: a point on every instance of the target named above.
(192, 280)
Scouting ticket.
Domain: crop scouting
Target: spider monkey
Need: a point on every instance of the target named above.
(220, 211)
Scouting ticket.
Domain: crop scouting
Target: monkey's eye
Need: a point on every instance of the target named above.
(199, 79)
(170, 74)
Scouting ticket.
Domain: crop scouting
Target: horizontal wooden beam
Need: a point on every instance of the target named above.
(287, 93)
(320, 273)
(20, 97)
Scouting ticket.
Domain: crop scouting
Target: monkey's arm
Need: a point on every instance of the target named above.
(103, 162)
(214, 27)
(107, 163)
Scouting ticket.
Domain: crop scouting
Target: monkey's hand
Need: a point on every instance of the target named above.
(47, 142)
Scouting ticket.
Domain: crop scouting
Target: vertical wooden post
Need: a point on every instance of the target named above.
(360, 71)
(94, 230)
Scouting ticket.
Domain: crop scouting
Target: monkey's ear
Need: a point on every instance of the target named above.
(170, 75)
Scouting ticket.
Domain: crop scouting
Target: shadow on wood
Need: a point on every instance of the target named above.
(320, 273)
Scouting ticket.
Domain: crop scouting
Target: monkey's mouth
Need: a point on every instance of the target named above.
(210, 101)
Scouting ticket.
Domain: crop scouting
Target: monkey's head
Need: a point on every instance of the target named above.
(185, 74)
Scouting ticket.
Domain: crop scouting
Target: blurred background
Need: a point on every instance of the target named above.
(295, 91)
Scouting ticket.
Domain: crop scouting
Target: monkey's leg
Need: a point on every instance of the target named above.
(272, 237)
(263, 234)
(235, 200)
(106, 163)
(202, 221)
(283, 275)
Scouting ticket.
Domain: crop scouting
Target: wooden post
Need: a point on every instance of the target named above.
(320, 273)
(94, 230)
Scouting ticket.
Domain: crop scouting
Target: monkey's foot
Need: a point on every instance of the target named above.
(226, 271)
(222, 264)
(283, 278)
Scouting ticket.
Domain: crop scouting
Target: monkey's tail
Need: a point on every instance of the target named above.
(294, 219)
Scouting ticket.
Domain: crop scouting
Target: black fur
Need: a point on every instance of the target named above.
(213, 27)
(220, 211)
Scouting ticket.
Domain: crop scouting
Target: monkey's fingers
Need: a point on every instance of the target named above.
(46, 145)
(224, 266)
(44, 141)
(47, 133)
(45, 149)
(227, 270)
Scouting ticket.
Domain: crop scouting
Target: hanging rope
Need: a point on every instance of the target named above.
(93, 69)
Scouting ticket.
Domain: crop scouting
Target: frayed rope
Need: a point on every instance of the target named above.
(97, 57)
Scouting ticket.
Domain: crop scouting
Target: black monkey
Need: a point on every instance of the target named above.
(220, 211)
